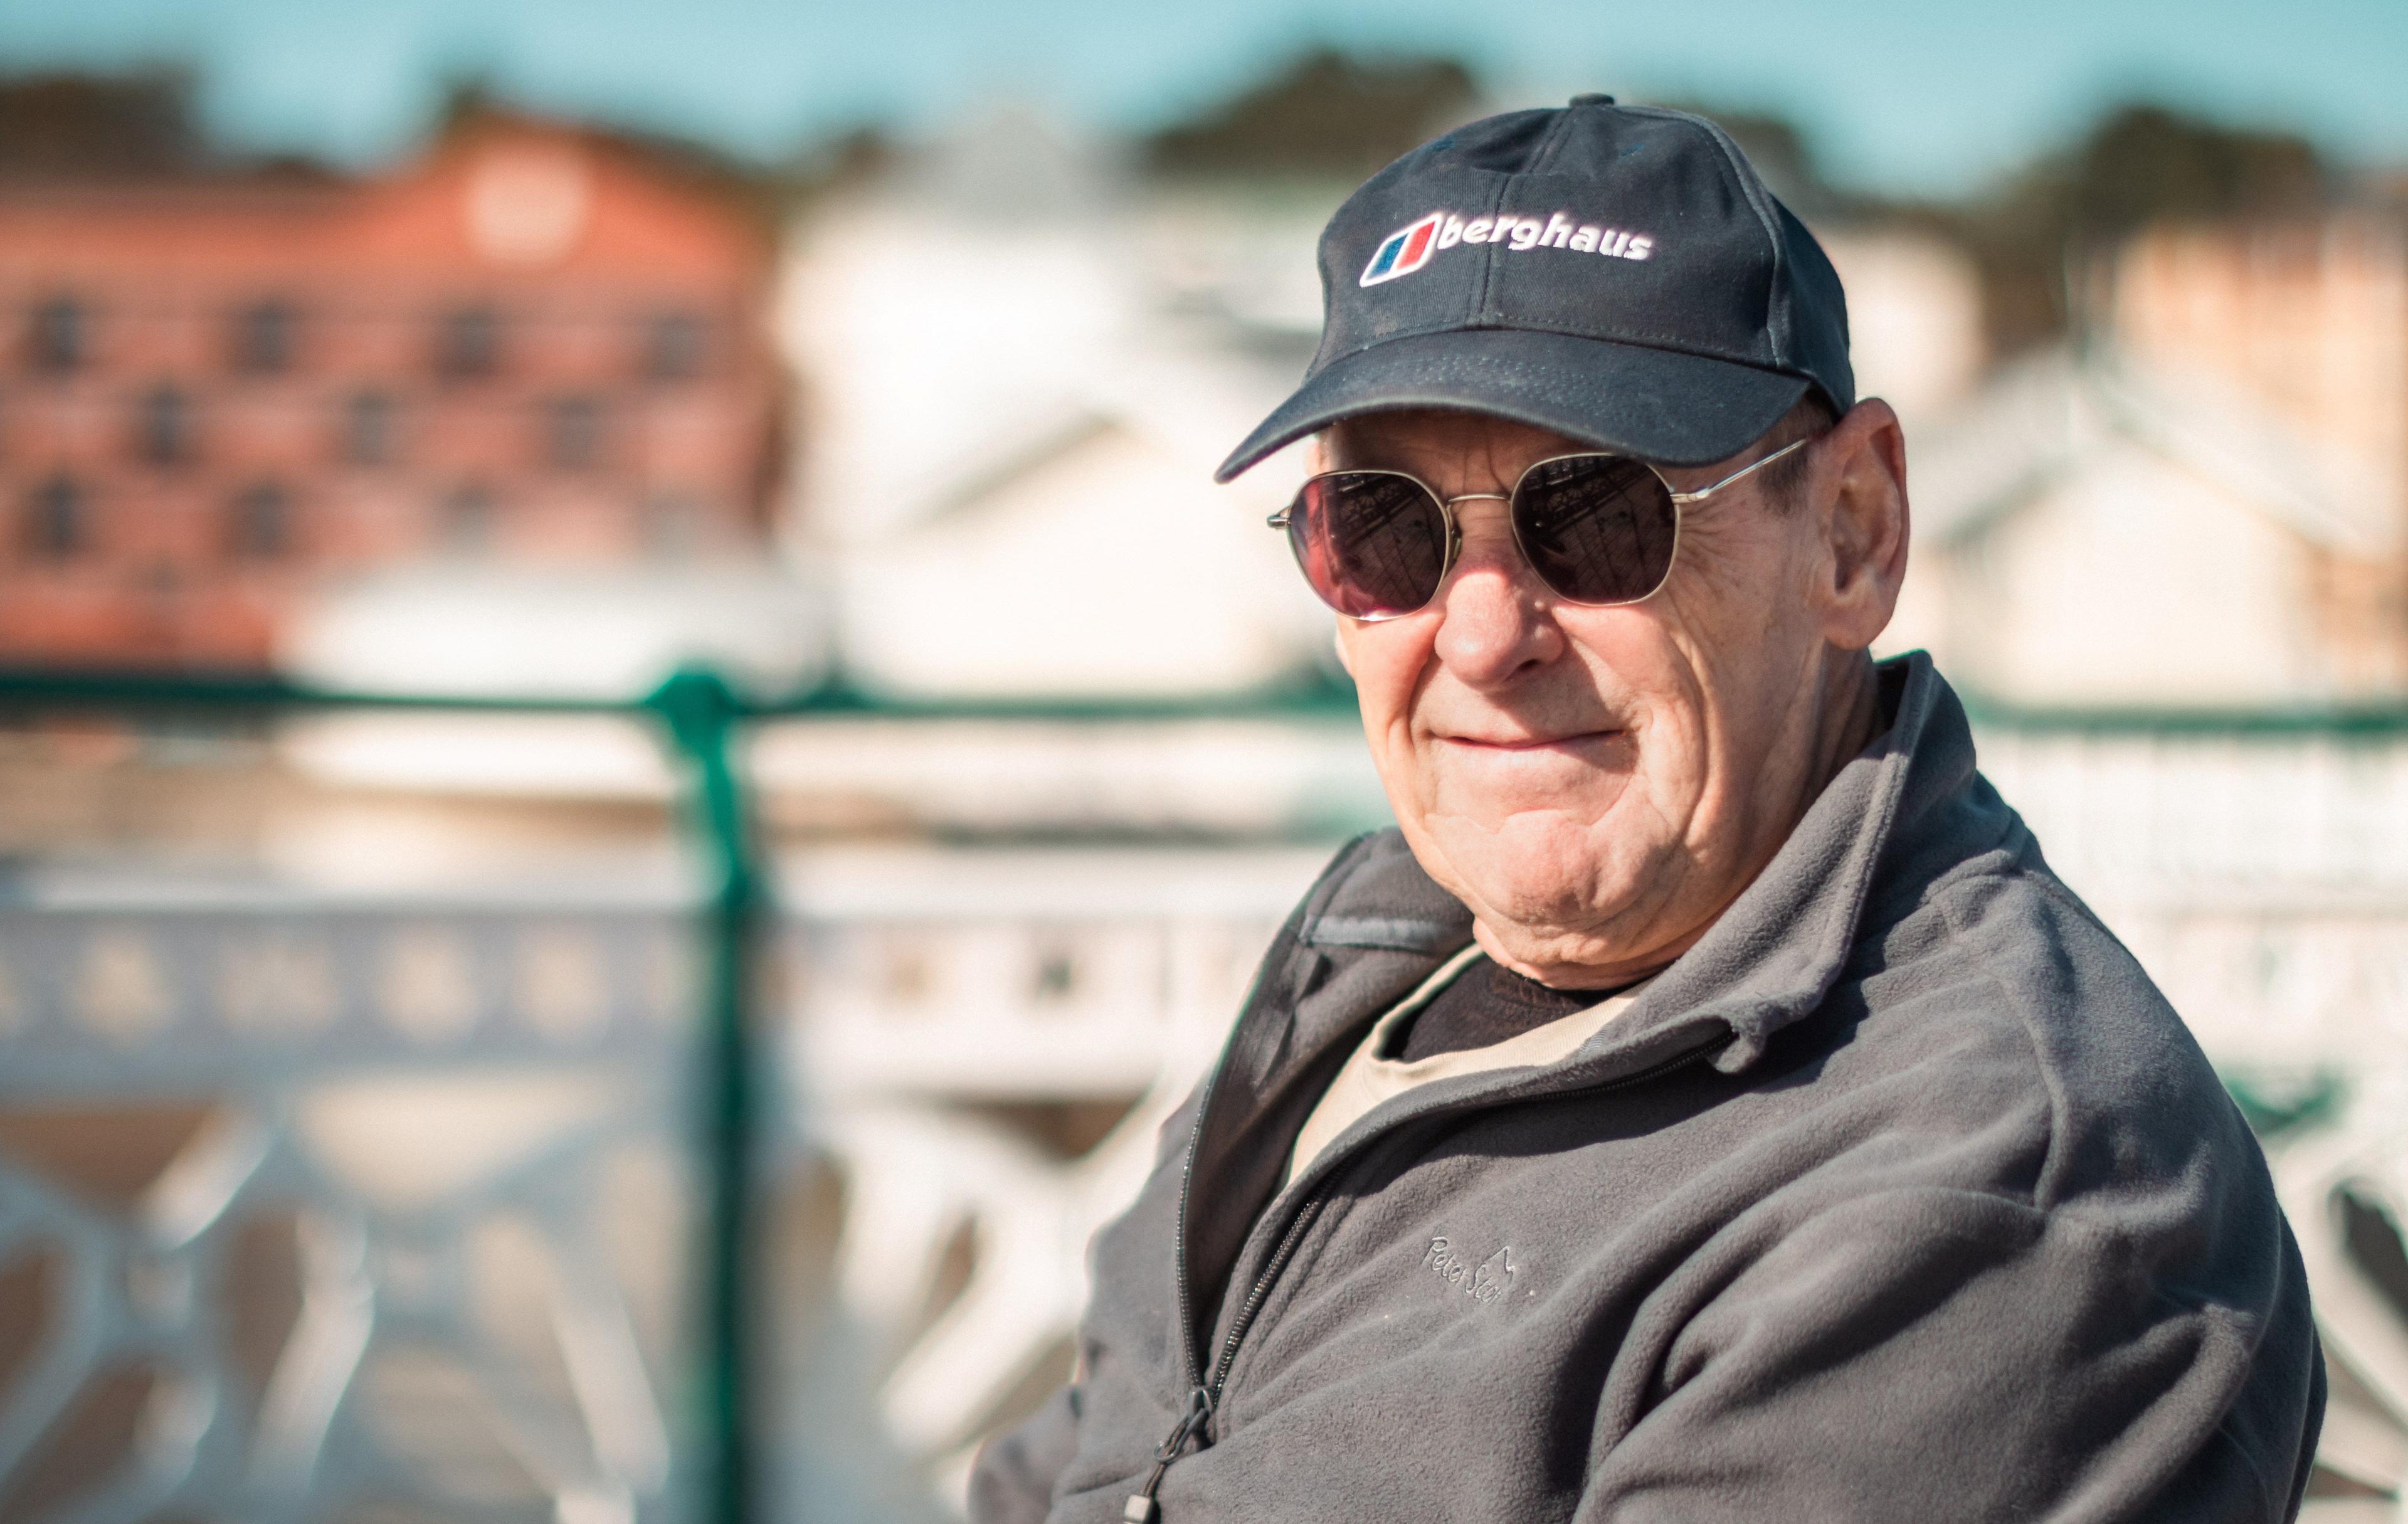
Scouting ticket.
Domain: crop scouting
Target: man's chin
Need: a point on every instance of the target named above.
(1541, 870)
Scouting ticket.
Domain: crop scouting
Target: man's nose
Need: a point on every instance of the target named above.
(1496, 622)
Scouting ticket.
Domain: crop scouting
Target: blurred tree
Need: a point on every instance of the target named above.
(1325, 113)
(471, 104)
(61, 124)
(847, 161)
(2144, 163)
(2141, 164)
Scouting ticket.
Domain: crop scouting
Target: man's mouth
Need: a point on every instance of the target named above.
(1534, 743)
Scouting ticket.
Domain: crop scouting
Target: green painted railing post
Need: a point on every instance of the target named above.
(701, 715)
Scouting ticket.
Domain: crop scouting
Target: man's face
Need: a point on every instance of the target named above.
(1597, 783)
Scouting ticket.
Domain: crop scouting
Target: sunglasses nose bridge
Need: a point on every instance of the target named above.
(1490, 544)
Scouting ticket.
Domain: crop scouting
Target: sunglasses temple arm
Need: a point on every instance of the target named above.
(1745, 470)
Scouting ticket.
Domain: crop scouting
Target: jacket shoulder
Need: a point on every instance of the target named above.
(2001, 948)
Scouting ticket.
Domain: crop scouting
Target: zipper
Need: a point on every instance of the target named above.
(1140, 1508)
(1306, 915)
(1204, 1397)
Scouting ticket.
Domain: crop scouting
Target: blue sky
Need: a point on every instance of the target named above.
(1929, 97)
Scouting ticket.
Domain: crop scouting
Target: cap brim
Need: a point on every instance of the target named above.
(1659, 405)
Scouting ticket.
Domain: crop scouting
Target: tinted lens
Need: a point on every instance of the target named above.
(1372, 543)
(1598, 528)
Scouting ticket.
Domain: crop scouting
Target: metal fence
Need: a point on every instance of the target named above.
(320, 1197)
(385, 1384)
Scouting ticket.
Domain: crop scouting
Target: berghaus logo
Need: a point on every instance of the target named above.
(1414, 245)
(1408, 249)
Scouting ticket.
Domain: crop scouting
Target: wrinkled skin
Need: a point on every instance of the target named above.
(1598, 784)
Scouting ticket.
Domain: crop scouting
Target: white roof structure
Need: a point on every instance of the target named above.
(1013, 401)
(1098, 559)
(2046, 418)
(2089, 534)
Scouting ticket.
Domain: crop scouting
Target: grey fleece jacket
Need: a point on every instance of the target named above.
(1903, 1195)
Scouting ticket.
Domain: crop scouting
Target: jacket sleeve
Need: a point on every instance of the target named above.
(1013, 1480)
(1930, 1353)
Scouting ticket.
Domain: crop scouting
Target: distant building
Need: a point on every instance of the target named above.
(533, 345)
(2308, 318)
(2090, 533)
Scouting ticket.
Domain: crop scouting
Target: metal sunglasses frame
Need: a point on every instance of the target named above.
(1282, 519)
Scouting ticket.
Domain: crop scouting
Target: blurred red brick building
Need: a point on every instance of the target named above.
(2308, 316)
(220, 391)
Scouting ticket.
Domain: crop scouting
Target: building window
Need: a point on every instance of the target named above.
(468, 527)
(573, 432)
(468, 343)
(163, 427)
(262, 338)
(673, 345)
(674, 525)
(56, 519)
(369, 428)
(1055, 980)
(61, 336)
(907, 974)
(262, 529)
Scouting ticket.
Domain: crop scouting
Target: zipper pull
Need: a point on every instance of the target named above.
(1141, 1508)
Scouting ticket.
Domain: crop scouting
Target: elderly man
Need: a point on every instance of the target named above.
(1706, 1105)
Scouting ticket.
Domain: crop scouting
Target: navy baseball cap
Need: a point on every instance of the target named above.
(1616, 274)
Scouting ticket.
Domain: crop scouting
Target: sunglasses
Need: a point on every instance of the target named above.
(1598, 529)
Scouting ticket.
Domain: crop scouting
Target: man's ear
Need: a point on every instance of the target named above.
(1859, 485)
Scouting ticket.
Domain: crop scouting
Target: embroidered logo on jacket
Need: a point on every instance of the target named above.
(1484, 1283)
(1411, 246)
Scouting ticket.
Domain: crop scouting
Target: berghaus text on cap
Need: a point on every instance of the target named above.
(1414, 245)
